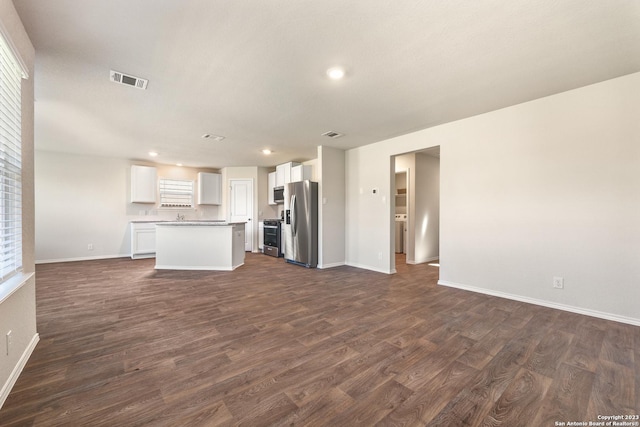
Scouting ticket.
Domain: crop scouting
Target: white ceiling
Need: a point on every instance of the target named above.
(254, 70)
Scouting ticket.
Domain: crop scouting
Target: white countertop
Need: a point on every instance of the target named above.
(199, 223)
(158, 221)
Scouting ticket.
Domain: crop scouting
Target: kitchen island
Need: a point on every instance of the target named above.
(199, 245)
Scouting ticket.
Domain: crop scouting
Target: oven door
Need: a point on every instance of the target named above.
(271, 236)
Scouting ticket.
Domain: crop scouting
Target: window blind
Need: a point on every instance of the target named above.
(176, 193)
(10, 162)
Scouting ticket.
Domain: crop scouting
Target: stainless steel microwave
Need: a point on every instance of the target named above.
(278, 194)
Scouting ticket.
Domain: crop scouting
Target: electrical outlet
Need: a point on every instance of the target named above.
(8, 341)
(558, 282)
(90, 246)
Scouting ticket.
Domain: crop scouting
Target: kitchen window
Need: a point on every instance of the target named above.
(11, 74)
(176, 193)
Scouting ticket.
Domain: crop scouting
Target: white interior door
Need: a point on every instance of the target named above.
(241, 207)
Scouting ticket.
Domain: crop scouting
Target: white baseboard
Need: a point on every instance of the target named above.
(424, 261)
(88, 258)
(197, 267)
(331, 265)
(368, 267)
(17, 370)
(543, 303)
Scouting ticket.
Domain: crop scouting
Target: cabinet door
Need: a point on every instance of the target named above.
(270, 185)
(209, 188)
(143, 184)
(143, 240)
(300, 173)
(287, 173)
(280, 172)
(283, 173)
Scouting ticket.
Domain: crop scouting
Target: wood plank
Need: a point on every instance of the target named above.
(423, 406)
(567, 398)
(613, 390)
(518, 405)
(549, 353)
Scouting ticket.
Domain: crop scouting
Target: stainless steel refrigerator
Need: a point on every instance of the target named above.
(301, 223)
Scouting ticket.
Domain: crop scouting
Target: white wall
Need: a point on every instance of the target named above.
(369, 218)
(330, 173)
(18, 310)
(82, 200)
(545, 188)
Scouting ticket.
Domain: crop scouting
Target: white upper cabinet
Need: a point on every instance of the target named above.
(271, 184)
(280, 172)
(209, 188)
(301, 173)
(143, 184)
(283, 173)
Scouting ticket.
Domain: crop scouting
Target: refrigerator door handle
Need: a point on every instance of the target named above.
(294, 216)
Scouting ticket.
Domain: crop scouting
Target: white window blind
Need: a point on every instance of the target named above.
(176, 193)
(10, 162)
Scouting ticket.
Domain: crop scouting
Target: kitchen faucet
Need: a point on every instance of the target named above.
(179, 217)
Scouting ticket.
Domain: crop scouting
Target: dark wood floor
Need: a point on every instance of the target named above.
(276, 344)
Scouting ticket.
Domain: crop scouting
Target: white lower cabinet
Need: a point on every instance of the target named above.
(143, 240)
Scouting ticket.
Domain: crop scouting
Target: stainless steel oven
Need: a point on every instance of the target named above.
(272, 244)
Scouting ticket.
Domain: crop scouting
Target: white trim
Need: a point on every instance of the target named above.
(15, 51)
(143, 256)
(331, 265)
(17, 370)
(89, 258)
(197, 267)
(563, 307)
(423, 262)
(9, 286)
(367, 267)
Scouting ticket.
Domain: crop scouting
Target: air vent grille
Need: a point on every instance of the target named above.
(124, 79)
(333, 134)
(213, 137)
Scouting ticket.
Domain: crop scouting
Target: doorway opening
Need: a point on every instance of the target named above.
(416, 232)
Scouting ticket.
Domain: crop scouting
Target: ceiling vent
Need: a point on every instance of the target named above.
(332, 134)
(125, 79)
(213, 137)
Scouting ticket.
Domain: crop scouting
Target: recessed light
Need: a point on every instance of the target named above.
(153, 154)
(266, 151)
(335, 73)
